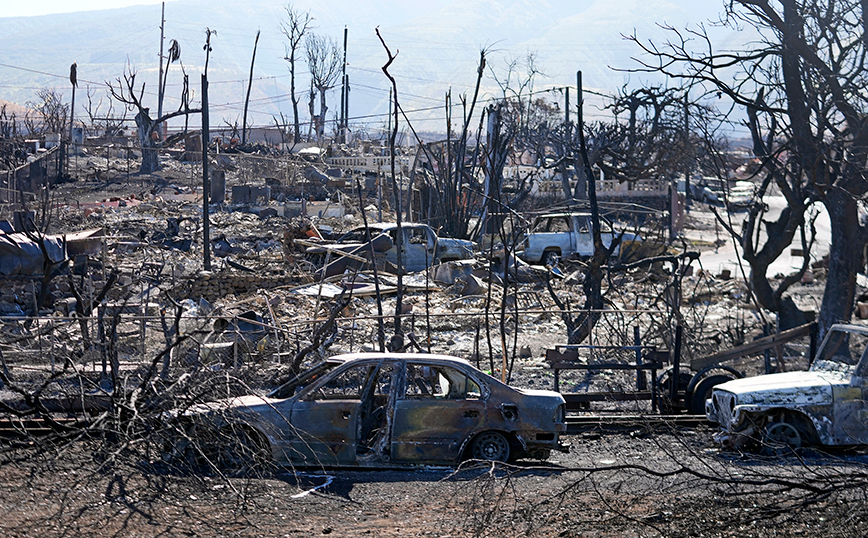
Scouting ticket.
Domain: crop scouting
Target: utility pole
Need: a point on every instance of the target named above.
(160, 80)
(579, 116)
(206, 180)
(567, 107)
(73, 78)
(347, 109)
(249, 86)
(344, 95)
(687, 163)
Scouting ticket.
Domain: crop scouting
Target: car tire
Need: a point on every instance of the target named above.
(702, 391)
(550, 258)
(779, 438)
(235, 451)
(490, 446)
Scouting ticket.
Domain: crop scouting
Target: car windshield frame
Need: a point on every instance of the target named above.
(831, 357)
(300, 383)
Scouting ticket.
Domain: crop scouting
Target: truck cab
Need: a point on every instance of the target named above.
(563, 235)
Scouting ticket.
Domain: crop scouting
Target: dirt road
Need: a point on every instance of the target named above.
(626, 484)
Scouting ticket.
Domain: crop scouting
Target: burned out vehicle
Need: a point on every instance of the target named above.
(825, 405)
(379, 410)
(563, 235)
(420, 246)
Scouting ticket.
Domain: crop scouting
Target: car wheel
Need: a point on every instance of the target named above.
(490, 446)
(702, 392)
(780, 438)
(550, 258)
(234, 450)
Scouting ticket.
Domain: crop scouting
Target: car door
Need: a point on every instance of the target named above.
(418, 248)
(584, 239)
(438, 408)
(607, 234)
(325, 419)
(850, 407)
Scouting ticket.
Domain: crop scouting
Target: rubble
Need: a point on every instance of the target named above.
(492, 309)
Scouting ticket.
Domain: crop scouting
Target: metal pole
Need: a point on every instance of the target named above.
(160, 79)
(343, 125)
(249, 86)
(206, 181)
(73, 78)
(640, 373)
(675, 378)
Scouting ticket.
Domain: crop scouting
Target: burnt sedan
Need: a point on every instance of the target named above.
(373, 409)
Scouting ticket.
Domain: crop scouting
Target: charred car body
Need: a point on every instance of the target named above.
(420, 246)
(825, 405)
(562, 235)
(373, 409)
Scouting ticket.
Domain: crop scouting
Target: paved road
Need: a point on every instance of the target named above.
(726, 255)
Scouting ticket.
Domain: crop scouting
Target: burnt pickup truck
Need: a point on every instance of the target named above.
(826, 405)
(564, 235)
(420, 246)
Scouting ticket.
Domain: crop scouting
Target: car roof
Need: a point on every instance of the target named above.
(348, 357)
(387, 225)
(566, 214)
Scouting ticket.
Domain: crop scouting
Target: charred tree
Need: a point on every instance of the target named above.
(294, 27)
(324, 63)
(125, 91)
(810, 63)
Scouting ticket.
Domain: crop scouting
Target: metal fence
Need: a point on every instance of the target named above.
(22, 183)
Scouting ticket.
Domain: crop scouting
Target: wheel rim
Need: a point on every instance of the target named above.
(491, 446)
(780, 436)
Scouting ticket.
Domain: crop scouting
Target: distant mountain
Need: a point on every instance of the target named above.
(437, 46)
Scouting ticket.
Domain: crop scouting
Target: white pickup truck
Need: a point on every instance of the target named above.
(563, 235)
(826, 405)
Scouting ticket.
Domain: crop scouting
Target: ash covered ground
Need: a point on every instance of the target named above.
(641, 482)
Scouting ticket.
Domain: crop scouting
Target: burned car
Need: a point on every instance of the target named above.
(564, 235)
(825, 405)
(420, 246)
(376, 410)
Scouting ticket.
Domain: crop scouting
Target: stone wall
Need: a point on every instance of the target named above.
(212, 286)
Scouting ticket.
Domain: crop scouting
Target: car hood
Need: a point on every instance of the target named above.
(247, 403)
(784, 388)
(456, 242)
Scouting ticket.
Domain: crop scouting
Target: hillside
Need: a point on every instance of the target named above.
(437, 48)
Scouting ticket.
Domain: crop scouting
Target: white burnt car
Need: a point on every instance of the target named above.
(825, 405)
(376, 410)
(563, 235)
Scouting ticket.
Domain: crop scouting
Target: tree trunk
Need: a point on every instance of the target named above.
(311, 103)
(296, 136)
(845, 259)
(150, 156)
(565, 181)
(320, 127)
(581, 190)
